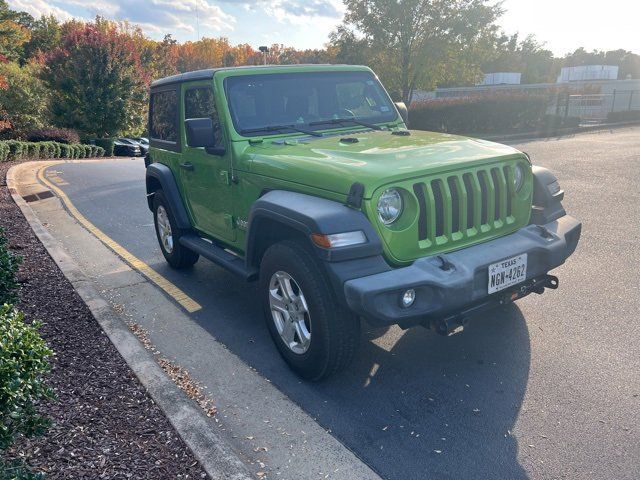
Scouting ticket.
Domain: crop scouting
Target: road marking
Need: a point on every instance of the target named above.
(189, 304)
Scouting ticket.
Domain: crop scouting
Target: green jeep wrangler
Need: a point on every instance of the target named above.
(307, 179)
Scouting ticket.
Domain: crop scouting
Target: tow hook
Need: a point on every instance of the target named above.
(536, 286)
(552, 282)
(450, 326)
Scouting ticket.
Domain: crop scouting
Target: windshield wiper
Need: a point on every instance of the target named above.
(276, 128)
(334, 121)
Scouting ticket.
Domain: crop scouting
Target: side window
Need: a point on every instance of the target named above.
(164, 114)
(199, 103)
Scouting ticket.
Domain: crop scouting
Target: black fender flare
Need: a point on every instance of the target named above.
(547, 197)
(307, 214)
(158, 173)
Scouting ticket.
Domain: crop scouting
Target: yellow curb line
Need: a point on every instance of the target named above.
(173, 291)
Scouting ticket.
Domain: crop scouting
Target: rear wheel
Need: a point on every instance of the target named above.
(314, 334)
(169, 234)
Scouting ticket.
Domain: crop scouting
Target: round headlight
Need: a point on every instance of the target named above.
(518, 177)
(389, 206)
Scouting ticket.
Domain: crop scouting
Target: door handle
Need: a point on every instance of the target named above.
(187, 166)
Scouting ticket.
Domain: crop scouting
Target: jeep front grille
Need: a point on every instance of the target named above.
(464, 205)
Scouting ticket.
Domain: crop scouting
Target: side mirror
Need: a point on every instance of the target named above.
(201, 133)
(403, 111)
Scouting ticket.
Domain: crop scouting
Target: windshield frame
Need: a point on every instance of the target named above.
(392, 118)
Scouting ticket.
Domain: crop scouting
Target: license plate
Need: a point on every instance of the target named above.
(507, 272)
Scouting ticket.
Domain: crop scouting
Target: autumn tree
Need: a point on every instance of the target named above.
(97, 80)
(419, 37)
(24, 99)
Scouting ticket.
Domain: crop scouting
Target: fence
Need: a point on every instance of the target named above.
(595, 107)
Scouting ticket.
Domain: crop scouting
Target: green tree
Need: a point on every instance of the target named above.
(24, 100)
(14, 31)
(46, 34)
(418, 37)
(97, 80)
(527, 56)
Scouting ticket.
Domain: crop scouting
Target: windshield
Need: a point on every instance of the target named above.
(306, 100)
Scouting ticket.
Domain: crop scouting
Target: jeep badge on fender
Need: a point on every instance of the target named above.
(306, 179)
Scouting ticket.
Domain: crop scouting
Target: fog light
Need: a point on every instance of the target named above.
(408, 298)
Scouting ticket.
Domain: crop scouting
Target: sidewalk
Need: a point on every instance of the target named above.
(257, 429)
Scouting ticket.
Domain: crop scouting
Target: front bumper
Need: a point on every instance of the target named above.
(455, 283)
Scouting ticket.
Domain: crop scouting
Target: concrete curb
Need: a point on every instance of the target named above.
(559, 133)
(217, 458)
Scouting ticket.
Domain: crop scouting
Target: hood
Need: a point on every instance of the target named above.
(377, 158)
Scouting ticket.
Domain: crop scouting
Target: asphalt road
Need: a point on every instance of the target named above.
(547, 388)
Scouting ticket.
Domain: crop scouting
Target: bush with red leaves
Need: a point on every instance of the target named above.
(60, 135)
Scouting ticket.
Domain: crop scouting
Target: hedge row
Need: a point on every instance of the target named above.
(496, 114)
(624, 116)
(15, 149)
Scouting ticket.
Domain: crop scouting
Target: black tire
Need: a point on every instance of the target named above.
(179, 257)
(335, 332)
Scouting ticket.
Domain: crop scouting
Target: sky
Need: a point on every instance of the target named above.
(563, 25)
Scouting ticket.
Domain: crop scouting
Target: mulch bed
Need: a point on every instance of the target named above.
(105, 425)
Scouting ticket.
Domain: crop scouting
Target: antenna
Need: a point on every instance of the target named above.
(197, 21)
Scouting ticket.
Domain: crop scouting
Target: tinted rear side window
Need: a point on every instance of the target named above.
(164, 116)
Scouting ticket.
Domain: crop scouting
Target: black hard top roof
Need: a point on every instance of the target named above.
(209, 72)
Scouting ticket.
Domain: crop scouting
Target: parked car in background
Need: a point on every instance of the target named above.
(124, 147)
(143, 143)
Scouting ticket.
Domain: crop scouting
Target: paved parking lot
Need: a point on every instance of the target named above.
(548, 388)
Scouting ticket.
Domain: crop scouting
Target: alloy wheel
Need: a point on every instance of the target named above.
(290, 312)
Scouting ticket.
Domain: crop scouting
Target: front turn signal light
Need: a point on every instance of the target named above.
(336, 240)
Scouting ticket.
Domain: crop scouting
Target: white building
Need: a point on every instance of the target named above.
(588, 72)
(501, 78)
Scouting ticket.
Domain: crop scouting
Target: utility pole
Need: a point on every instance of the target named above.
(197, 21)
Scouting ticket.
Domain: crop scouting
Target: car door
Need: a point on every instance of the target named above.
(205, 176)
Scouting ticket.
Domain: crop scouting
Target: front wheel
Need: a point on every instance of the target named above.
(176, 255)
(314, 334)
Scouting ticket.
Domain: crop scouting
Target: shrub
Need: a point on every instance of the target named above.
(9, 264)
(505, 113)
(107, 144)
(79, 151)
(33, 149)
(87, 151)
(626, 116)
(23, 364)
(57, 150)
(4, 151)
(65, 150)
(15, 149)
(99, 152)
(45, 149)
(60, 135)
